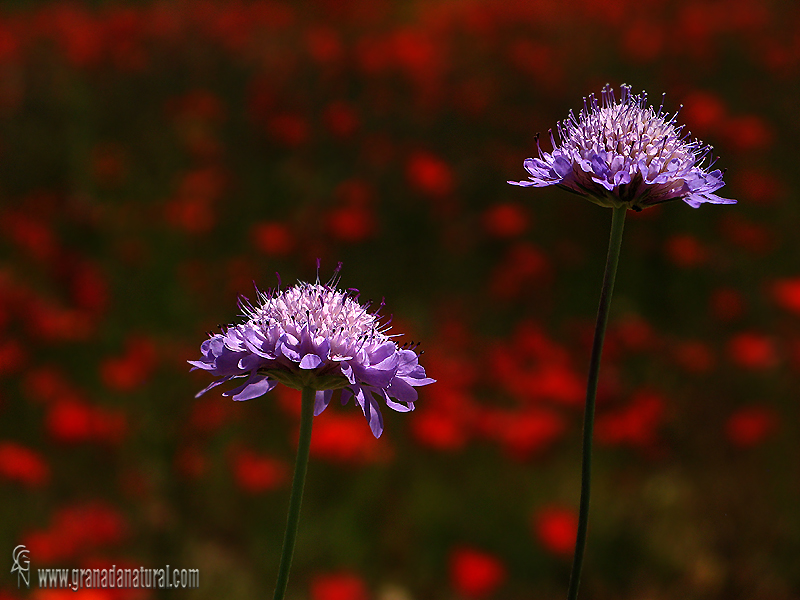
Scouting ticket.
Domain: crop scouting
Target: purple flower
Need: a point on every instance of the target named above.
(626, 154)
(314, 335)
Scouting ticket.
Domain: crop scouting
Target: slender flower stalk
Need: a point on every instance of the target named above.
(296, 497)
(317, 339)
(626, 156)
(612, 260)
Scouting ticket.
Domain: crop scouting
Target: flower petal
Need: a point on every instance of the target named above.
(372, 412)
(321, 400)
(213, 385)
(255, 386)
(310, 361)
(401, 390)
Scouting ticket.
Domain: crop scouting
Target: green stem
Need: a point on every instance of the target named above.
(298, 481)
(614, 244)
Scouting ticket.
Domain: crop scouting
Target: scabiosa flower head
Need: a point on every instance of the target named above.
(315, 335)
(626, 154)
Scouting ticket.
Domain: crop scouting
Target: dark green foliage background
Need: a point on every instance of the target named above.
(689, 514)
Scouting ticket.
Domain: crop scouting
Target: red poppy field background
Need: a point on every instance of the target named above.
(158, 158)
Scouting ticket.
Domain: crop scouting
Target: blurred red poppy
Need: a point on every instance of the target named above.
(338, 586)
(556, 529)
(255, 473)
(429, 174)
(23, 465)
(475, 573)
(750, 426)
(753, 350)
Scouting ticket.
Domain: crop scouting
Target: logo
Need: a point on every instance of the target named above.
(22, 565)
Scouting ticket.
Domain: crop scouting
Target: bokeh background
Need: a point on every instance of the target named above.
(157, 158)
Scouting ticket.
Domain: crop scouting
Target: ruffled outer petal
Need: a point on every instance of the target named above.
(321, 400)
(212, 386)
(255, 386)
(310, 361)
(401, 390)
(371, 411)
(377, 375)
(411, 371)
